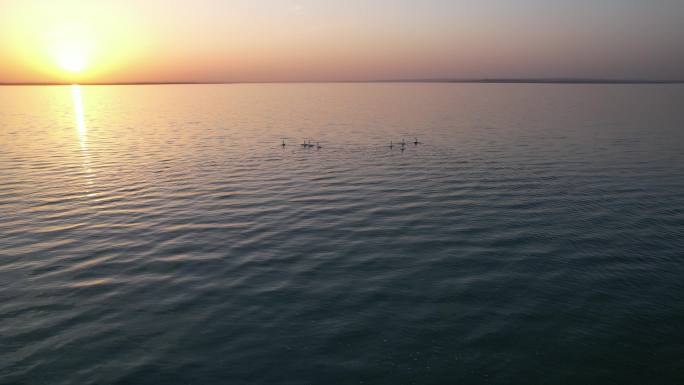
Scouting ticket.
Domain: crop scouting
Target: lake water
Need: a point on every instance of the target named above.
(162, 234)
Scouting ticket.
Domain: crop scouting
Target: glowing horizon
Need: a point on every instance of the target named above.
(218, 41)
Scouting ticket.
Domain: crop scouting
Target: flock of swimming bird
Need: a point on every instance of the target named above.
(402, 145)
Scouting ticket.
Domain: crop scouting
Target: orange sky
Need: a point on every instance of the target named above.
(283, 40)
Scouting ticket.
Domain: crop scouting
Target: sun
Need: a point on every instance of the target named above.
(71, 57)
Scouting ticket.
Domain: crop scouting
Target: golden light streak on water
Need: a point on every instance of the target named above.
(82, 130)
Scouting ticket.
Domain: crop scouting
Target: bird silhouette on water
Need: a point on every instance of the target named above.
(402, 145)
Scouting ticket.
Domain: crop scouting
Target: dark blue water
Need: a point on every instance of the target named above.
(161, 234)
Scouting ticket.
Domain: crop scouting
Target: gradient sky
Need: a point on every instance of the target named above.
(290, 40)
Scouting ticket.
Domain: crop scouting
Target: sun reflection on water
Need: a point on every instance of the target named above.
(78, 111)
(82, 130)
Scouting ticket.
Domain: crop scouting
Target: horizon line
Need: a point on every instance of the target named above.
(446, 80)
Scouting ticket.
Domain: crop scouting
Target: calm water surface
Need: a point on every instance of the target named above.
(161, 234)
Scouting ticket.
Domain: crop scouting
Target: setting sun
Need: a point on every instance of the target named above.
(72, 42)
(71, 58)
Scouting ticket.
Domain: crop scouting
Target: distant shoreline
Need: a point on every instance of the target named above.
(482, 81)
